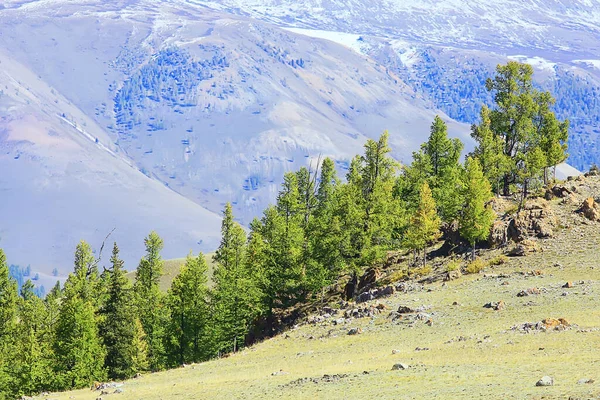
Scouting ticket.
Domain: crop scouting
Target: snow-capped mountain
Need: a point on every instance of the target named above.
(152, 114)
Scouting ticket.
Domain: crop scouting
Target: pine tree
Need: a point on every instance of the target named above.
(79, 354)
(424, 225)
(522, 120)
(86, 270)
(489, 150)
(139, 359)
(32, 364)
(477, 217)
(188, 305)
(325, 231)
(8, 320)
(118, 326)
(8, 300)
(150, 301)
(445, 178)
(235, 295)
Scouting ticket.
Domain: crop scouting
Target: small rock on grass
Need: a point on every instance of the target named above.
(399, 366)
(545, 381)
(355, 331)
(585, 381)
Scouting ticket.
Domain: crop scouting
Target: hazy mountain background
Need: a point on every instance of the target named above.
(141, 115)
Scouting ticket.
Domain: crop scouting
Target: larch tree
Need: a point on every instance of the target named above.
(150, 300)
(189, 319)
(477, 215)
(489, 150)
(446, 171)
(523, 122)
(8, 321)
(78, 349)
(235, 295)
(424, 226)
(118, 326)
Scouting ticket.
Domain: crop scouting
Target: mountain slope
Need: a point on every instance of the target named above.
(452, 346)
(216, 106)
(62, 182)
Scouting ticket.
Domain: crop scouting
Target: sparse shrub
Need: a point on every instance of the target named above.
(453, 265)
(421, 271)
(475, 266)
(498, 260)
(395, 276)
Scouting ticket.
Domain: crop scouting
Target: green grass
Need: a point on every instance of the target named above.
(491, 361)
(171, 269)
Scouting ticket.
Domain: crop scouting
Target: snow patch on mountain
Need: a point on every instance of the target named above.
(349, 40)
(536, 62)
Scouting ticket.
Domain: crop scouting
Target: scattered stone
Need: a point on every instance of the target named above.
(555, 323)
(375, 294)
(370, 277)
(399, 366)
(547, 324)
(279, 373)
(339, 321)
(568, 285)
(355, 331)
(498, 234)
(315, 319)
(456, 303)
(317, 380)
(452, 275)
(497, 306)
(395, 351)
(590, 209)
(545, 381)
(423, 316)
(528, 292)
(118, 391)
(422, 349)
(405, 310)
(138, 375)
(523, 248)
(585, 381)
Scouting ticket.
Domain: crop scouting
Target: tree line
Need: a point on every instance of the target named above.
(100, 326)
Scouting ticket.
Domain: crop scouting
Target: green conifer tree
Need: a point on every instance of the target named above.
(150, 301)
(477, 216)
(235, 294)
(424, 225)
(118, 326)
(79, 354)
(188, 305)
(8, 320)
(32, 366)
(445, 179)
(489, 150)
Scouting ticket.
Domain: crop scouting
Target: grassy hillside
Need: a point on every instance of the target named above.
(454, 347)
(171, 269)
